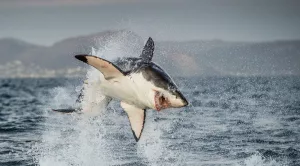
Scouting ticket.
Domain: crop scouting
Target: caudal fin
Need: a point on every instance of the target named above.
(68, 110)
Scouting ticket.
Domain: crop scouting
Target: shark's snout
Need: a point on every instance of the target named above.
(180, 100)
(184, 102)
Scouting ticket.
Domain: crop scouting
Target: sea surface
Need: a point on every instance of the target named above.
(232, 121)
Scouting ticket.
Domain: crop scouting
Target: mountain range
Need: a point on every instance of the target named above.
(190, 58)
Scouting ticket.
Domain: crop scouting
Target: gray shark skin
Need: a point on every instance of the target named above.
(138, 83)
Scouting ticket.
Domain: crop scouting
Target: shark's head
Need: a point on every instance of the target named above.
(164, 93)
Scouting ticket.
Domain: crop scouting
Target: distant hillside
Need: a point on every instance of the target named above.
(193, 58)
(61, 54)
(13, 49)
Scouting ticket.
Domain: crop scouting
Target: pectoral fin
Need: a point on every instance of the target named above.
(137, 119)
(108, 69)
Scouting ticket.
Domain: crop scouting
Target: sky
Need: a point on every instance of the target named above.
(45, 22)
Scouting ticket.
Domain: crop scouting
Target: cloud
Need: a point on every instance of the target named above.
(51, 3)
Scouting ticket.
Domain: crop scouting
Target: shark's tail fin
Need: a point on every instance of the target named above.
(67, 110)
(71, 110)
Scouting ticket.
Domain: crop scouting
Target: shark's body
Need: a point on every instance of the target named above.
(138, 83)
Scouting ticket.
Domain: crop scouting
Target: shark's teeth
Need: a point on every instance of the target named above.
(156, 100)
(161, 102)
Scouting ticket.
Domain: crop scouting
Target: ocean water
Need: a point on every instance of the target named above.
(232, 121)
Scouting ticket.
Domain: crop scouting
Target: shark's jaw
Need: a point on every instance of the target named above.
(163, 101)
(160, 101)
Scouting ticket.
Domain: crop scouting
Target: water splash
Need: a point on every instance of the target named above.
(121, 44)
(87, 140)
(258, 160)
(150, 145)
(153, 148)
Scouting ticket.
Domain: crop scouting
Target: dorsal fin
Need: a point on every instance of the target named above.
(148, 50)
(108, 69)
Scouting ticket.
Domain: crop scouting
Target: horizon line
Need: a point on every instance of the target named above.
(177, 41)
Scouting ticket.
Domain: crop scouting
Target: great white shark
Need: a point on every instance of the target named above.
(138, 83)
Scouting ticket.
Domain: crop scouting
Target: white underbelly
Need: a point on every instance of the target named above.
(127, 89)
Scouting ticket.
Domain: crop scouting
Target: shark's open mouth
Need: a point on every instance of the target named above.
(161, 102)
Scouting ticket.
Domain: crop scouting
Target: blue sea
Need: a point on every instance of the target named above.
(231, 121)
